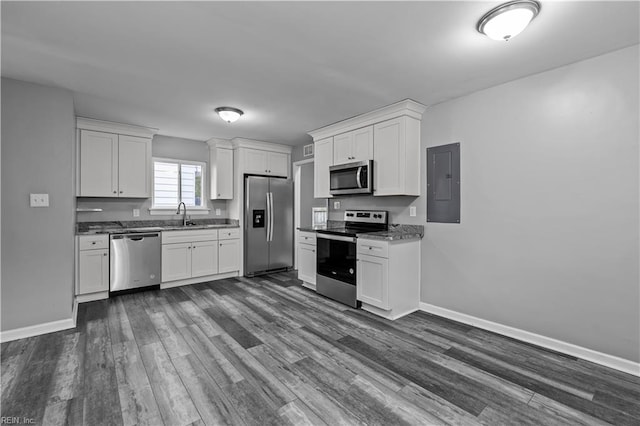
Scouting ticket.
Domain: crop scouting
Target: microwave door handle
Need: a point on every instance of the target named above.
(359, 177)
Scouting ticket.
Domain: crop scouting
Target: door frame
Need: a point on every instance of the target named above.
(296, 205)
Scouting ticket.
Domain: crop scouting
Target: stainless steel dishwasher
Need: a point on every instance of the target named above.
(135, 260)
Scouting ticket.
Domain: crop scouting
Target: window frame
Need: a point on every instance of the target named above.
(163, 210)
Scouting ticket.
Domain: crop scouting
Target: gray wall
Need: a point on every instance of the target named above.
(548, 240)
(37, 243)
(307, 202)
(122, 209)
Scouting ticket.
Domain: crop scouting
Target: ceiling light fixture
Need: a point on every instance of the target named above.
(229, 114)
(508, 20)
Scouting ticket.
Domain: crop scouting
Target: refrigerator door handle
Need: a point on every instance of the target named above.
(268, 217)
(270, 194)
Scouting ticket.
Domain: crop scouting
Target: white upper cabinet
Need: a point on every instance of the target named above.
(134, 166)
(221, 170)
(323, 158)
(278, 163)
(389, 135)
(98, 164)
(353, 146)
(265, 162)
(396, 157)
(113, 160)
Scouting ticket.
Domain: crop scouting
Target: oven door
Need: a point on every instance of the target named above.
(336, 257)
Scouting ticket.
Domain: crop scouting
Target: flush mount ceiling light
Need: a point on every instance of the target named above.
(229, 114)
(508, 20)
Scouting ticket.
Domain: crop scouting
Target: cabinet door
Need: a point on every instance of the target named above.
(221, 174)
(307, 263)
(98, 164)
(134, 159)
(176, 261)
(389, 156)
(373, 284)
(255, 161)
(342, 148)
(228, 256)
(362, 144)
(204, 258)
(93, 271)
(278, 164)
(323, 158)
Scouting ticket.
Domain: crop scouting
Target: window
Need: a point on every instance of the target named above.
(176, 181)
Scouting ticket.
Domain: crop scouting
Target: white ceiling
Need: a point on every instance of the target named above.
(291, 66)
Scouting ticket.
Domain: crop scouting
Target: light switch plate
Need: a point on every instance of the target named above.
(218, 212)
(412, 211)
(136, 212)
(336, 205)
(39, 200)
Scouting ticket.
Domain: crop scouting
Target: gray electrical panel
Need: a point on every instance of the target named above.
(443, 183)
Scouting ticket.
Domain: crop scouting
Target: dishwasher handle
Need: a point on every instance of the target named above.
(135, 237)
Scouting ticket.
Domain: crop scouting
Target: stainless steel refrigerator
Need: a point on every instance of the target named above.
(268, 224)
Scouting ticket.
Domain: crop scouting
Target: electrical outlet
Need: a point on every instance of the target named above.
(336, 205)
(39, 200)
(412, 211)
(136, 212)
(218, 212)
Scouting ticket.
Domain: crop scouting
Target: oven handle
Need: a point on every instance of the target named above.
(336, 237)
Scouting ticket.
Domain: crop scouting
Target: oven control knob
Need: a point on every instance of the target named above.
(351, 271)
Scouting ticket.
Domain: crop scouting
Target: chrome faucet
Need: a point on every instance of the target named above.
(184, 212)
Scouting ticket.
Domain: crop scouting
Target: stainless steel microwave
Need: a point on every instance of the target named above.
(351, 178)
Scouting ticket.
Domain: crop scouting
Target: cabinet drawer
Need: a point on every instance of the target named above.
(93, 242)
(307, 238)
(171, 237)
(373, 247)
(228, 233)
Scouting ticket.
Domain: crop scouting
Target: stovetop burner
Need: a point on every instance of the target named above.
(359, 222)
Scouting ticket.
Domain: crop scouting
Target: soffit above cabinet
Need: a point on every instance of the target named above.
(263, 146)
(406, 107)
(112, 127)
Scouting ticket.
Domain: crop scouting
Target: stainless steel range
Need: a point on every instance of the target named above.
(336, 254)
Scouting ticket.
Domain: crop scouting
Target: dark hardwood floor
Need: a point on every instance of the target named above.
(267, 351)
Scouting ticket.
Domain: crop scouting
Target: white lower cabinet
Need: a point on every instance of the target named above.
(204, 258)
(188, 255)
(176, 261)
(388, 276)
(307, 259)
(373, 276)
(228, 256)
(92, 274)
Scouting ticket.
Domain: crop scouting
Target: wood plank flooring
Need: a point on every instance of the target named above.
(266, 351)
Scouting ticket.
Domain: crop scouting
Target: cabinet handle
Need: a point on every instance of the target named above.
(313, 251)
(218, 195)
(104, 254)
(121, 192)
(93, 243)
(115, 192)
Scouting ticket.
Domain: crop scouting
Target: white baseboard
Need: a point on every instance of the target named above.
(36, 330)
(601, 358)
(197, 280)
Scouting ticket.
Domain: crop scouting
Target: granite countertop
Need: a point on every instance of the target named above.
(114, 227)
(311, 228)
(395, 232)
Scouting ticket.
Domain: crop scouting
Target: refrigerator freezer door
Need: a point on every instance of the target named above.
(281, 245)
(256, 246)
